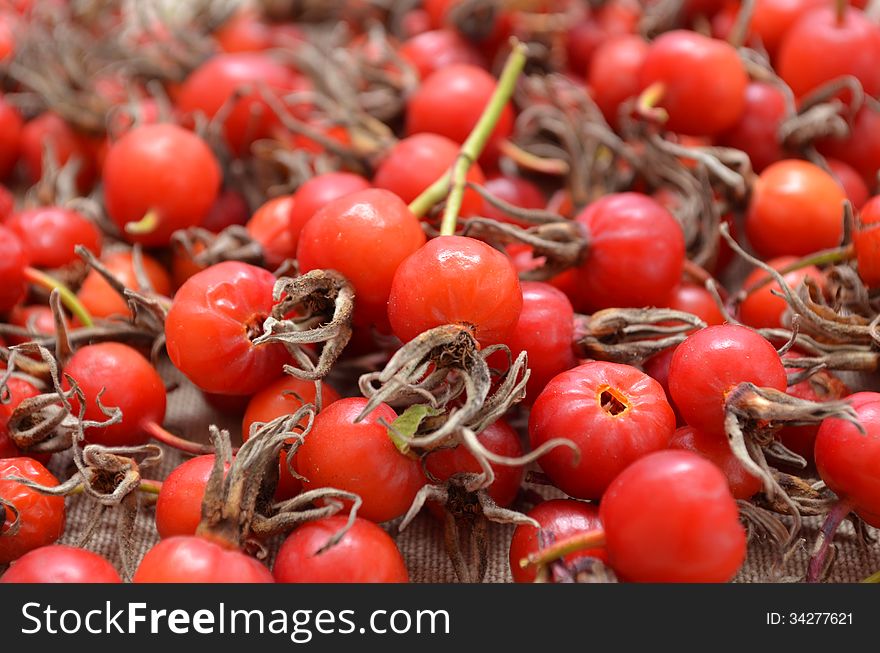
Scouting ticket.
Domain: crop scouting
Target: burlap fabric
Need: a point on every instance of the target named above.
(422, 542)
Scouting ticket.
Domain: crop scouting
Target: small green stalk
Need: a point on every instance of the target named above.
(454, 181)
(68, 298)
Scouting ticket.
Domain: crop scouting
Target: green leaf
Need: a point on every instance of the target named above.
(407, 424)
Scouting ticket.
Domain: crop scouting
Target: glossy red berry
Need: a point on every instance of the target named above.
(123, 379)
(848, 460)
(179, 506)
(101, 300)
(711, 363)
(50, 234)
(40, 516)
(757, 131)
(743, 485)
(270, 226)
(58, 563)
(365, 554)
(11, 125)
(559, 519)
(499, 438)
(451, 100)
(416, 162)
(316, 193)
(702, 82)
(670, 518)
(796, 208)
(209, 330)
(162, 170)
(761, 309)
(455, 280)
(635, 255)
(614, 413)
(184, 559)
(430, 51)
(360, 457)
(366, 236)
(613, 76)
(867, 243)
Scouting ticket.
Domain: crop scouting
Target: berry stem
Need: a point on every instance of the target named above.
(145, 225)
(529, 161)
(68, 298)
(160, 434)
(588, 540)
(832, 522)
(873, 578)
(150, 486)
(646, 103)
(453, 182)
(840, 7)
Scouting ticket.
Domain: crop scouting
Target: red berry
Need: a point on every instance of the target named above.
(743, 485)
(13, 261)
(670, 518)
(455, 280)
(40, 516)
(184, 559)
(51, 233)
(559, 519)
(614, 413)
(58, 563)
(316, 193)
(761, 309)
(101, 300)
(365, 554)
(162, 170)
(214, 318)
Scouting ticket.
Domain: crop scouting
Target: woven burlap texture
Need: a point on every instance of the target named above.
(421, 543)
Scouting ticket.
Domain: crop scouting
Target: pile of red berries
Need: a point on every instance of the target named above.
(465, 257)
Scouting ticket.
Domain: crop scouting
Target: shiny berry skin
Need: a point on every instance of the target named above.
(360, 458)
(796, 208)
(711, 363)
(11, 125)
(451, 100)
(455, 280)
(41, 517)
(128, 381)
(772, 19)
(179, 506)
(211, 324)
(365, 554)
(430, 51)
(162, 169)
(50, 128)
(366, 236)
(185, 559)
(761, 308)
(848, 460)
(866, 241)
(416, 162)
(210, 86)
(13, 261)
(58, 563)
(613, 75)
(820, 47)
(757, 131)
(101, 300)
(545, 329)
(614, 413)
(821, 386)
(316, 193)
(694, 299)
(499, 438)
(559, 519)
(743, 485)
(284, 396)
(703, 80)
(270, 226)
(670, 518)
(50, 234)
(635, 254)
(18, 390)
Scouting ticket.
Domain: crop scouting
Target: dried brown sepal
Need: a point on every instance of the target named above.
(631, 335)
(563, 244)
(204, 248)
(322, 302)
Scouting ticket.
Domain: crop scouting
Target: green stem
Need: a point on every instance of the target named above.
(824, 257)
(454, 180)
(150, 486)
(146, 225)
(594, 539)
(68, 298)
